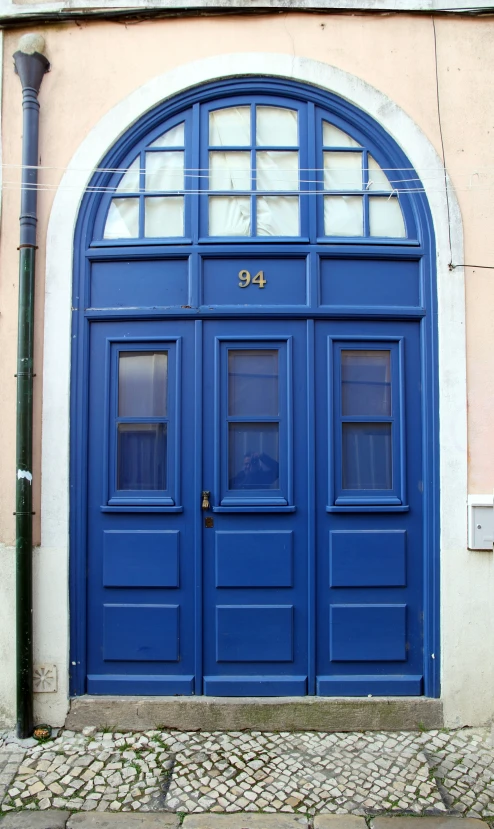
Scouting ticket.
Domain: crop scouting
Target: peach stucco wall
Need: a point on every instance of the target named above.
(97, 64)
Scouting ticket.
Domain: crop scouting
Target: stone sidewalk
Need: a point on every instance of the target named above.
(302, 774)
(241, 820)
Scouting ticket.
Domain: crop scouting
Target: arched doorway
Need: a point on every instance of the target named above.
(258, 280)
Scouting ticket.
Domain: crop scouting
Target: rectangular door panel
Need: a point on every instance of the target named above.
(141, 558)
(142, 552)
(254, 559)
(369, 512)
(255, 555)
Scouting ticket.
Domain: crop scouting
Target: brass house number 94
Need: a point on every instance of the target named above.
(246, 279)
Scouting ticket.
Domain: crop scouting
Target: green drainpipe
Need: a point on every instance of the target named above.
(30, 65)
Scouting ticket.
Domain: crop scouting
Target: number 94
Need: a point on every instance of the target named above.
(246, 279)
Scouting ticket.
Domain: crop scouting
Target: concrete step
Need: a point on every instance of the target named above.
(256, 713)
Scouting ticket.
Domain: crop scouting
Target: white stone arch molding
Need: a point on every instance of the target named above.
(59, 262)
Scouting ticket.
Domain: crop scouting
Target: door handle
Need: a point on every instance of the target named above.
(205, 499)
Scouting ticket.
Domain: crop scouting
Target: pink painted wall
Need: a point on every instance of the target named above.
(96, 65)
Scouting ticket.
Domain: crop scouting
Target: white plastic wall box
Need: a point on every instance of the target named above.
(481, 522)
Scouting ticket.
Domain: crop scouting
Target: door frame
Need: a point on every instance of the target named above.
(64, 217)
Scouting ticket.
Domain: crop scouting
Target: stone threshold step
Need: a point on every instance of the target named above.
(255, 713)
(52, 819)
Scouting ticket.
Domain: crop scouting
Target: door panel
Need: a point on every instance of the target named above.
(141, 543)
(369, 509)
(255, 555)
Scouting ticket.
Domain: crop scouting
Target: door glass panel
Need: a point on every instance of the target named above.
(277, 171)
(165, 171)
(278, 216)
(342, 171)
(253, 455)
(378, 179)
(334, 137)
(130, 181)
(171, 138)
(276, 126)
(343, 216)
(229, 171)
(122, 221)
(141, 456)
(229, 216)
(367, 462)
(142, 384)
(164, 216)
(386, 218)
(229, 127)
(253, 383)
(366, 383)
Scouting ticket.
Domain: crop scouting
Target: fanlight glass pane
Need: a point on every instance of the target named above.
(164, 216)
(342, 171)
(164, 171)
(334, 137)
(130, 181)
(229, 216)
(366, 383)
(253, 455)
(142, 383)
(229, 127)
(276, 127)
(277, 171)
(367, 461)
(278, 216)
(141, 456)
(343, 216)
(122, 221)
(230, 171)
(171, 138)
(378, 179)
(386, 218)
(253, 383)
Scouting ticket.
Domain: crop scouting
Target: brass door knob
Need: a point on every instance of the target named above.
(205, 499)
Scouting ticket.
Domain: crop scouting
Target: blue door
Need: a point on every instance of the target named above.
(242, 541)
(254, 479)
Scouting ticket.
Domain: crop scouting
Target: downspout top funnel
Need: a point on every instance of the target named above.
(30, 62)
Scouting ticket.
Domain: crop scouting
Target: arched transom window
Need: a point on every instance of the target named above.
(253, 169)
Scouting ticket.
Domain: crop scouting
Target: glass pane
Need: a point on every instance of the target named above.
(253, 383)
(230, 127)
(229, 171)
(378, 179)
(342, 171)
(164, 216)
(276, 127)
(334, 137)
(367, 456)
(142, 383)
(253, 455)
(277, 171)
(229, 216)
(130, 181)
(165, 171)
(122, 221)
(171, 138)
(278, 216)
(343, 216)
(366, 383)
(141, 456)
(386, 218)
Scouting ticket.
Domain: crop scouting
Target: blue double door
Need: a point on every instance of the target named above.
(255, 508)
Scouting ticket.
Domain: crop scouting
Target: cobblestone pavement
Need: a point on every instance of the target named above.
(366, 773)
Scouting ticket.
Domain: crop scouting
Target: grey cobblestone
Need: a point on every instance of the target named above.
(298, 773)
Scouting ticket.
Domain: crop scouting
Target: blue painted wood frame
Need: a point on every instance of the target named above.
(419, 246)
